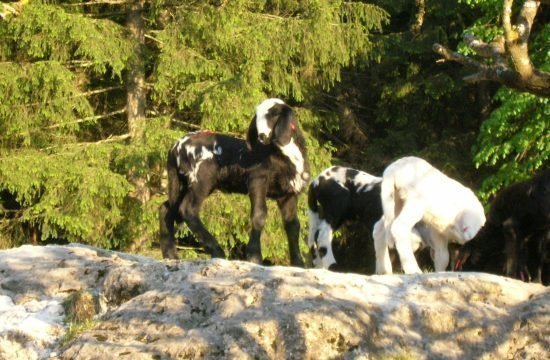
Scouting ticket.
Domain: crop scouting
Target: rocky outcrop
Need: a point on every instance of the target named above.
(218, 309)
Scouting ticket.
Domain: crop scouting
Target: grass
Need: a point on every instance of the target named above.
(80, 309)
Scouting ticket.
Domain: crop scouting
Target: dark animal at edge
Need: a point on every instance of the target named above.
(515, 241)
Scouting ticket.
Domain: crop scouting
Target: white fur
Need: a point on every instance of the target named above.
(293, 153)
(261, 112)
(313, 224)
(451, 211)
(324, 240)
(363, 181)
(204, 154)
(178, 146)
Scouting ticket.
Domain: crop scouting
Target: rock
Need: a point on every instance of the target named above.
(218, 309)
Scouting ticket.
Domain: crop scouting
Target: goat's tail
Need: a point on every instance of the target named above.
(313, 214)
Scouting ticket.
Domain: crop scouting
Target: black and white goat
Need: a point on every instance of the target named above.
(412, 190)
(271, 163)
(515, 240)
(336, 195)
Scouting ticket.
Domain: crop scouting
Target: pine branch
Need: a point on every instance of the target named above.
(110, 139)
(197, 127)
(512, 48)
(101, 2)
(90, 118)
(185, 123)
(83, 94)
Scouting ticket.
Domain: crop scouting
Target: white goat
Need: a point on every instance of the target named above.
(412, 191)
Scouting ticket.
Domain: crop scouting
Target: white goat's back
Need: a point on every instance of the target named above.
(445, 201)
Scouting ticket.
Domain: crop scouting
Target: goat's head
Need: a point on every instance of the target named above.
(468, 223)
(274, 122)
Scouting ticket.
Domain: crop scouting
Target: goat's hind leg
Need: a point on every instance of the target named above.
(401, 228)
(167, 218)
(189, 211)
(381, 249)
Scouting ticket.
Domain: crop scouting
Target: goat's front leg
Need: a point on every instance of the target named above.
(440, 248)
(257, 190)
(288, 207)
(511, 248)
(167, 239)
(539, 253)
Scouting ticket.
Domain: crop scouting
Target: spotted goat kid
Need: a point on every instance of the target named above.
(339, 194)
(271, 163)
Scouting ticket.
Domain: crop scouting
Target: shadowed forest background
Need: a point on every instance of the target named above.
(95, 92)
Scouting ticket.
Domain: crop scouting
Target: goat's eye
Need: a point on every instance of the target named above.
(464, 229)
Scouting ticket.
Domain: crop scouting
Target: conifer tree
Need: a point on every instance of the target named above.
(96, 92)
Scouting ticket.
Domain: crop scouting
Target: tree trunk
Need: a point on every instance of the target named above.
(136, 104)
(135, 80)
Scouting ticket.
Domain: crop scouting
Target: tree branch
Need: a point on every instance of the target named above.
(110, 139)
(419, 17)
(13, 9)
(90, 118)
(100, 2)
(512, 49)
(197, 127)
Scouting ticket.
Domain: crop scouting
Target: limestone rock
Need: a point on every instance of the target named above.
(218, 309)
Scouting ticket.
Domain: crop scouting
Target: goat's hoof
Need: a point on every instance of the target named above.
(334, 267)
(297, 262)
(171, 254)
(256, 259)
(217, 252)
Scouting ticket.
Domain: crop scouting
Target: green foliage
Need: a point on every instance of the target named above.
(222, 63)
(407, 103)
(40, 106)
(65, 169)
(51, 179)
(70, 194)
(515, 140)
(47, 32)
(364, 88)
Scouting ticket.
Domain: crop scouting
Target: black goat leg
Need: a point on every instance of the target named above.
(189, 211)
(167, 240)
(288, 208)
(511, 249)
(258, 193)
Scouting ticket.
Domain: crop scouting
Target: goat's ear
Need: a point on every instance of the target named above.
(252, 134)
(285, 126)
